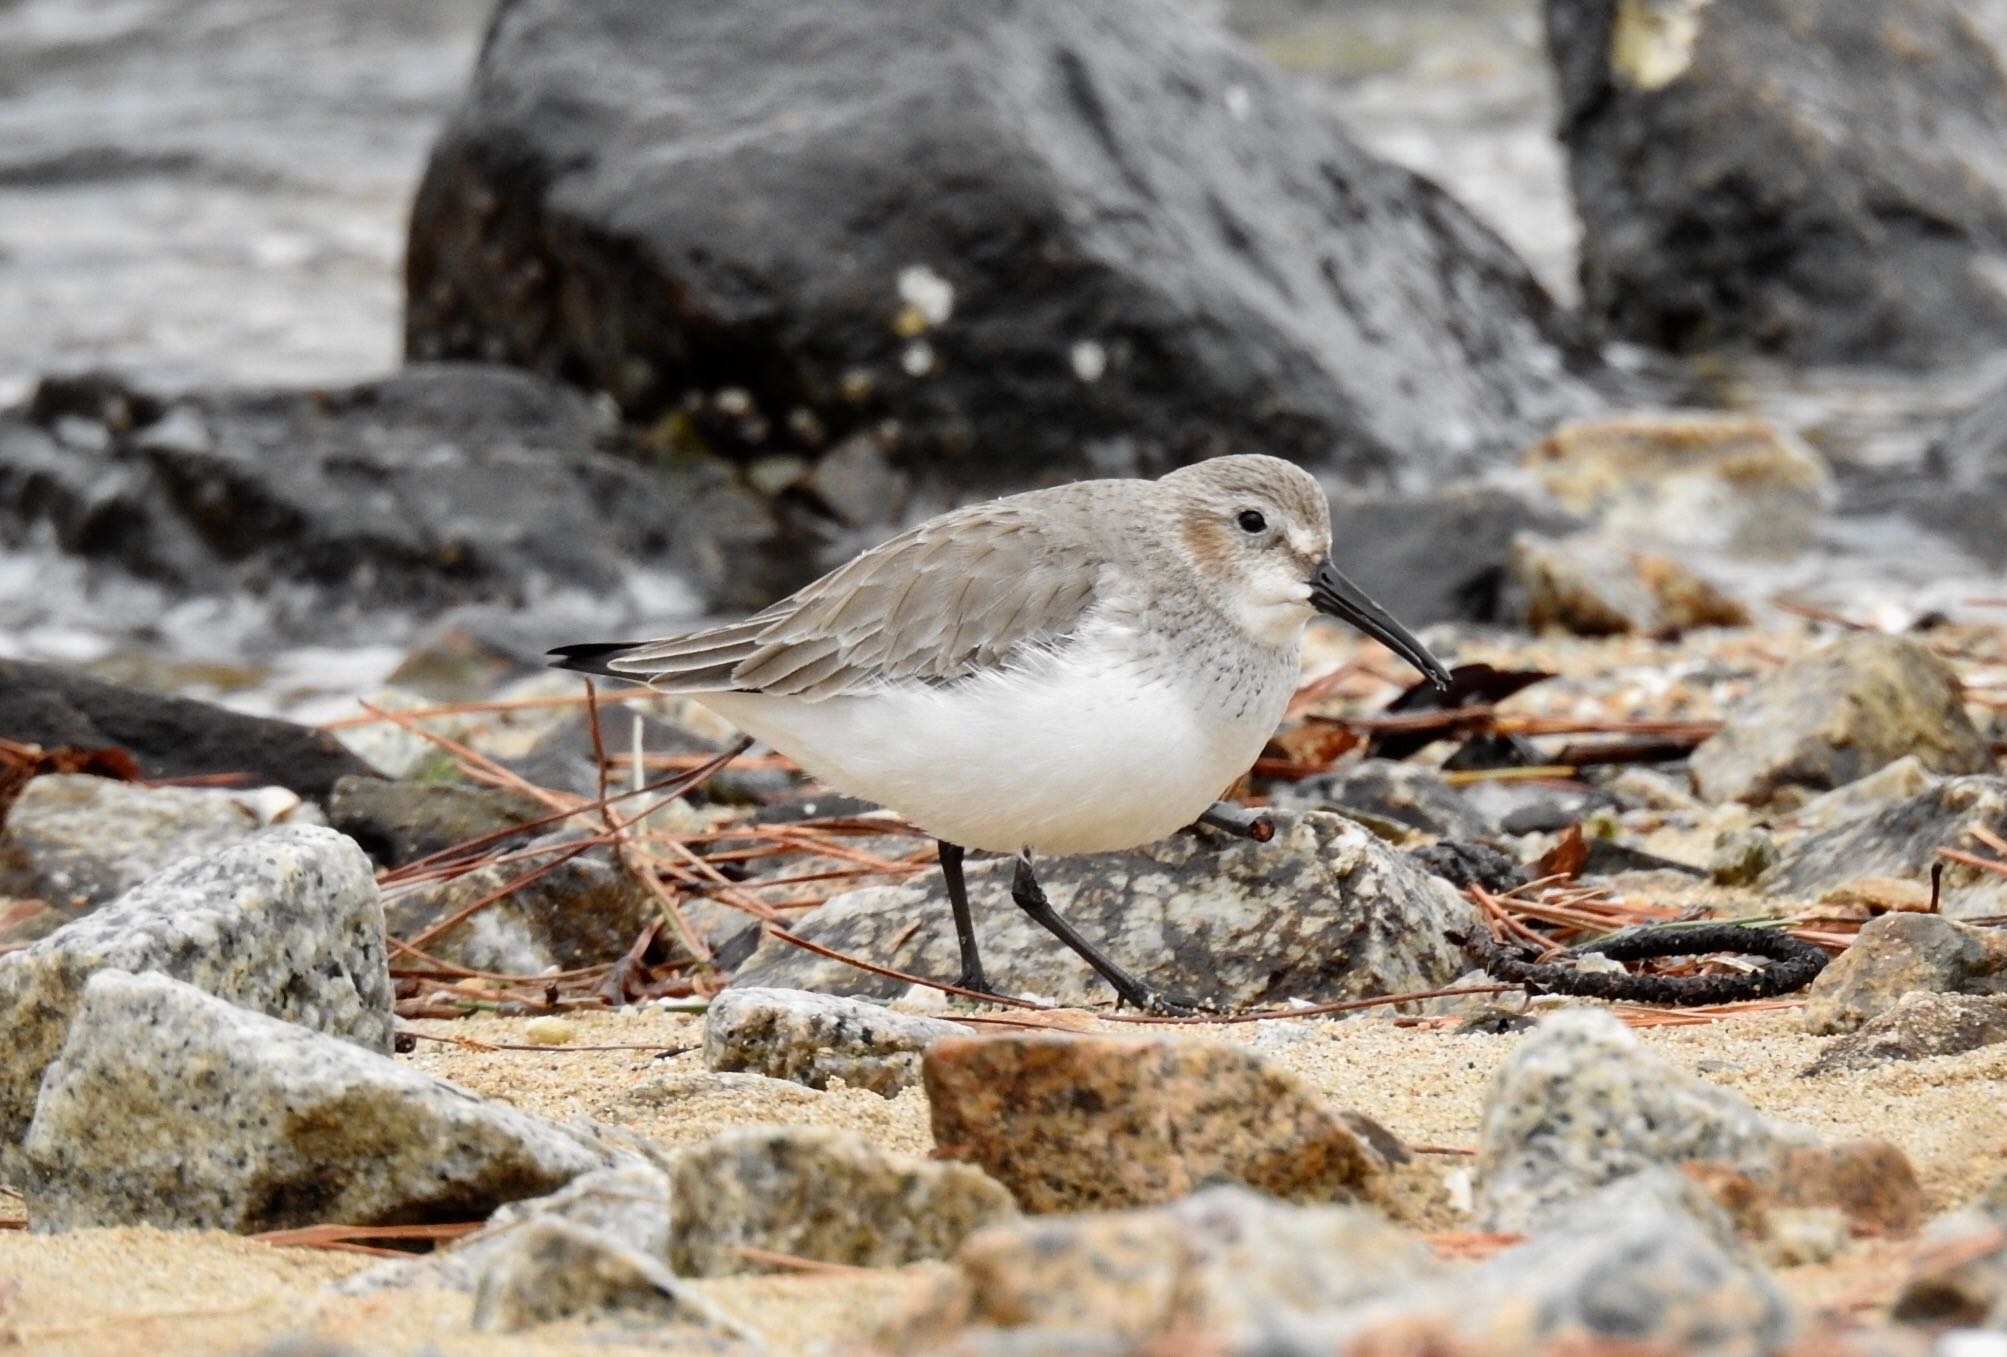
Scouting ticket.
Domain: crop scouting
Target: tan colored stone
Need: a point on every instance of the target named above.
(1693, 479)
(1837, 714)
(1900, 954)
(1596, 585)
(1074, 1123)
(1879, 895)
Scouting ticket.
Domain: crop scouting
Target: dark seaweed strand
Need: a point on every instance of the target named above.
(1793, 965)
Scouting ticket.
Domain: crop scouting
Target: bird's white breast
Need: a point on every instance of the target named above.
(1098, 745)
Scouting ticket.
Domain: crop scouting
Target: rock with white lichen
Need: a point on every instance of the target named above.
(172, 1108)
(1199, 913)
(815, 1038)
(288, 924)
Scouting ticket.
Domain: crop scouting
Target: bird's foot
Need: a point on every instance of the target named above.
(1161, 1005)
(978, 985)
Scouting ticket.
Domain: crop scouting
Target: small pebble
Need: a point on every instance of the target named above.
(549, 1031)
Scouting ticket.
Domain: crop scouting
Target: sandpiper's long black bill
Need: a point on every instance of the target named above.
(1332, 593)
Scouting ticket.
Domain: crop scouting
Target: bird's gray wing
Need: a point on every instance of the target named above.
(950, 598)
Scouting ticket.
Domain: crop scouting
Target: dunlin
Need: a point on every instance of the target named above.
(1071, 670)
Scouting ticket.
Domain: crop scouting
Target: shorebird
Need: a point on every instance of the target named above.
(1071, 670)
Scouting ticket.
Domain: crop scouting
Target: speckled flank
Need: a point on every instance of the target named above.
(287, 924)
(173, 1108)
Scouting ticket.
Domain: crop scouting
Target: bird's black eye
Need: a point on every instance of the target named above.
(1251, 521)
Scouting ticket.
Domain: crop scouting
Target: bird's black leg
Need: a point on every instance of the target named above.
(972, 976)
(1024, 889)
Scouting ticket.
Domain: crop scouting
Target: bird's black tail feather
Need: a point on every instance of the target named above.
(591, 657)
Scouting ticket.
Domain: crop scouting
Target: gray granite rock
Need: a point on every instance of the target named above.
(627, 1205)
(1325, 911)
(288, 924)
(170, 1107)
(1581, 1103)
(1226, 1262)
(79, 842)
(1619, 1271)
(1840, 713)
(814, 1038)
(1920, 1025)
(1900, 839)
(552, 1269)
(1901, 954)
(831, 1196)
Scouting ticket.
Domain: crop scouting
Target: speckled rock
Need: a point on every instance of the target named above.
(172, 1108)
(1901, 954)
(1724, 482)
(79, 842)
(627, 1205)
(1325, 911)
(1900, 839)
(583, 912)
(1659, 1280)
(1080, 1123)
(1225, 1261)
(831, 1196)
(814, 1038)
(552, 1269)
(1593, 584)
(1581, 1103)
(288, 924)
(1837, 714)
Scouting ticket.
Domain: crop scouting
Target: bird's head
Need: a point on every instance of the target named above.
(1257, 532)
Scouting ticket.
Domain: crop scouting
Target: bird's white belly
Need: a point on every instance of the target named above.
(1068, 756)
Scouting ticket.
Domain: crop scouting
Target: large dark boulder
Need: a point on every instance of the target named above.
(1821, 179)
(1001, 244)
(168, 737)
(440, 485)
